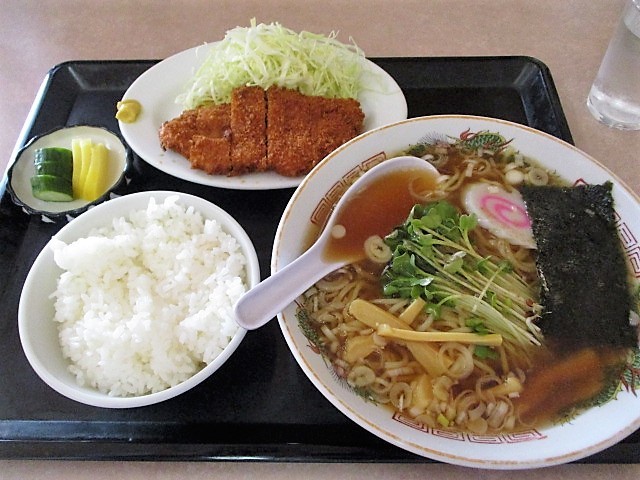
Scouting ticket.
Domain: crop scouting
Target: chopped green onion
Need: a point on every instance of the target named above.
(442, 420)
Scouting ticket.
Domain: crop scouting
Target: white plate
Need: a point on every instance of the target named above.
(39, 333)
(590, 432)
(157, 88)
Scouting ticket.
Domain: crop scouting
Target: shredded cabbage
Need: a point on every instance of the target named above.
(272, 55)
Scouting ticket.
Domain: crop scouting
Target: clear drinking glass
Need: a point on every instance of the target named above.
(614, 98)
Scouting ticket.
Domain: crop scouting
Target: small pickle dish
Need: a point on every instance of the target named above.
(33, 173)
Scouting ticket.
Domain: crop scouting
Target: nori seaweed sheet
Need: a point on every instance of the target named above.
(584, 291)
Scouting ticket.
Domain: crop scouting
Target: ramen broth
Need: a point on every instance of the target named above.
(375, 210)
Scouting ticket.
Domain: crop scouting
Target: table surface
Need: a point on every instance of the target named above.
(570, 37)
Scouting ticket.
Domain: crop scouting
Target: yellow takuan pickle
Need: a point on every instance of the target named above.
(95, 180)
(76, 151)
(86, 149)
(90, 167)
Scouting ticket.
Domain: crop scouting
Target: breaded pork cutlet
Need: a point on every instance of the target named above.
(248, 130)
(302, 130)
(202, 136)
(280, 130)
(176, 134)
(214, 120)
(213, 155)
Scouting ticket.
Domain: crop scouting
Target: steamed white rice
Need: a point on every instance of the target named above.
(145, 303)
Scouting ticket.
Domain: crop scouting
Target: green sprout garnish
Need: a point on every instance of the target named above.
(434, 258)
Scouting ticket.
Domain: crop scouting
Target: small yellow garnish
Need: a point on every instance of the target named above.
(90, 168)
(128, 110)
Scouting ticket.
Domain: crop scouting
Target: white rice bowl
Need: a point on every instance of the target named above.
(132, 302)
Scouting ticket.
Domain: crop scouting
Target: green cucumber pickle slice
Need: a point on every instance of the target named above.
(51, 188)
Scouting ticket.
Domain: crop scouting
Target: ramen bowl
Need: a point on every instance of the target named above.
(589, 432)
(156, 352)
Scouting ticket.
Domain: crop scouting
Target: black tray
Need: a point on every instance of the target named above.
(259, 406)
